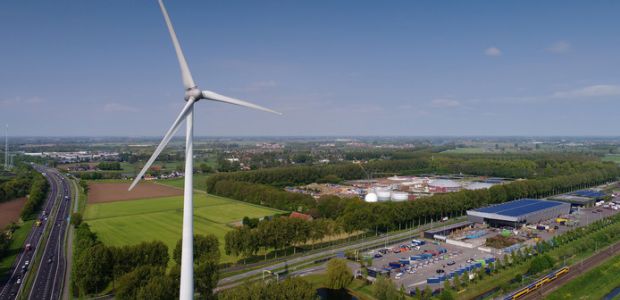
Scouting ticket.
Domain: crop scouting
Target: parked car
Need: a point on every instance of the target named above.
(451, 263)
(440, 271)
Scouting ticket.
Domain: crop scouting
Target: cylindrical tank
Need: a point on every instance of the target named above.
(383, 195)
(370, 197)
(399, 196)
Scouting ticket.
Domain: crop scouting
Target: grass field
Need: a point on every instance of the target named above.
(594, 284)
(200, 182)
(465, 151)
(612, 157)
(17, 244)
(135, 221)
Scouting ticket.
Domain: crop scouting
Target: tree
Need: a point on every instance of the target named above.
(384, 289)
(206, 276)
(93, 271)
(446, 294)
(540, 263)
(203, 245)
(158, 288)
(464, 279)
(76, 219)
(339, 275)
(427, 292)
(456, 283)
(130, 284)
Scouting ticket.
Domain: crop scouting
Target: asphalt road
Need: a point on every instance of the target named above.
(49, 280)
(54, 246)
(10, 287)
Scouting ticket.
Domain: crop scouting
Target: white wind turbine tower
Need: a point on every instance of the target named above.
(192, 95)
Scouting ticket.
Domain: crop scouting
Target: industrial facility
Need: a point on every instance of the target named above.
(518, 212)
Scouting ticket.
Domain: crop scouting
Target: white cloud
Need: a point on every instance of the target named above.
(493, 51)
(601, 90)
(116, 107)
(440, 102)
(559, 47)
(21, 101)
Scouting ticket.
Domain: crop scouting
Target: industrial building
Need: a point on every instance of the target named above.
(580, 198)
(518, 212)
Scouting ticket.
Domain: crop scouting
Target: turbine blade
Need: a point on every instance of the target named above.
(173, 129)
(208, 95)
(188, 81)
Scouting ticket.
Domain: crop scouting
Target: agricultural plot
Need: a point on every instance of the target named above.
(10, 211)
(612, 157)
(200, 182)
(118, 191)
(131, 222)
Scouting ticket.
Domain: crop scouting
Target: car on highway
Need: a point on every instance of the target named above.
(19, 280)
(27, 263)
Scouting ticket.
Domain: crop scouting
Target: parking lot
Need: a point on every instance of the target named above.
(415, 273)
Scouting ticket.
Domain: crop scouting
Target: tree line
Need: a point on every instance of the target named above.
(36, 196)
(139, 271)
(109, 166)
(277, 233)
(496, 166)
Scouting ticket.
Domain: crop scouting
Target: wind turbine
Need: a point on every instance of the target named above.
(192, 95)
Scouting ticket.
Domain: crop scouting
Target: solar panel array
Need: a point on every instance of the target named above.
(589, 194)
(519, 207)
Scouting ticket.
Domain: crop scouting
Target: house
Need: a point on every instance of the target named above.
(300, 216)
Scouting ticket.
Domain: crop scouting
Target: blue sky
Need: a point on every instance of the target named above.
(332, 67)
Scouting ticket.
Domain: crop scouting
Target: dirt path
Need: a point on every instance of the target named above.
(576, 270)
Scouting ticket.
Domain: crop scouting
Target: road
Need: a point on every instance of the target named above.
(10, 287)
(395, 238)
(19, 272)
(50, 276)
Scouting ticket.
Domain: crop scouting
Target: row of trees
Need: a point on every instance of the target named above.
(18, 185)
(36, 196)
(277, 233)
(290, 288)
(500, 166)
(109, 166)
(139, 271)
(263, 195)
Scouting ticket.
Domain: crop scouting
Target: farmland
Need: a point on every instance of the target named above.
(118, 191)
(612, 157)
(10, 211)
(200, 182)
(131, 222)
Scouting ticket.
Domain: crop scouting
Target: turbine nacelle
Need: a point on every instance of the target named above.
(193, 92)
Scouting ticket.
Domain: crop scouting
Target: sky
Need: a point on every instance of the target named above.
(398, 68)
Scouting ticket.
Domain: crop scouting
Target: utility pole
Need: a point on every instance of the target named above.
(6, 147)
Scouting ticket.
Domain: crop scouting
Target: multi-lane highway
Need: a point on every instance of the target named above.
(51, 265)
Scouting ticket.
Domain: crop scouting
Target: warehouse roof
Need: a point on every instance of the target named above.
(589, 194)
(518, 207)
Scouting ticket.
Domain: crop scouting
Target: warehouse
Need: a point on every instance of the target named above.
(518, 212)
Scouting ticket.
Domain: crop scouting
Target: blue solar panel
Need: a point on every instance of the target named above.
(519, 207)
(589, 193)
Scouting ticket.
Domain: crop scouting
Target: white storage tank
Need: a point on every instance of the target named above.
(370, 197)
(383, 195)
(400, 196)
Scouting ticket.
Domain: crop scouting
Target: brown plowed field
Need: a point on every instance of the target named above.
(109, 192)
(10, 210)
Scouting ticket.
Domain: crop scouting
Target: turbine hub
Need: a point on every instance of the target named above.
(193, 92)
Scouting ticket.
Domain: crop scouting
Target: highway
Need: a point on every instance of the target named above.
(49, 277)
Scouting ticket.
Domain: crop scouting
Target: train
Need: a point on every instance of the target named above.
(538, 283)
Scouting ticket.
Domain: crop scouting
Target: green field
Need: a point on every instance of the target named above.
(131, 222)
(594, 284)
(200, 182)
(465, 151)
(612, 157)
(17, 244)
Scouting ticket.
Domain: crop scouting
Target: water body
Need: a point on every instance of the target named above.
(615, 292)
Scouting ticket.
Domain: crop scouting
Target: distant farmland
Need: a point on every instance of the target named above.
(134, 221)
